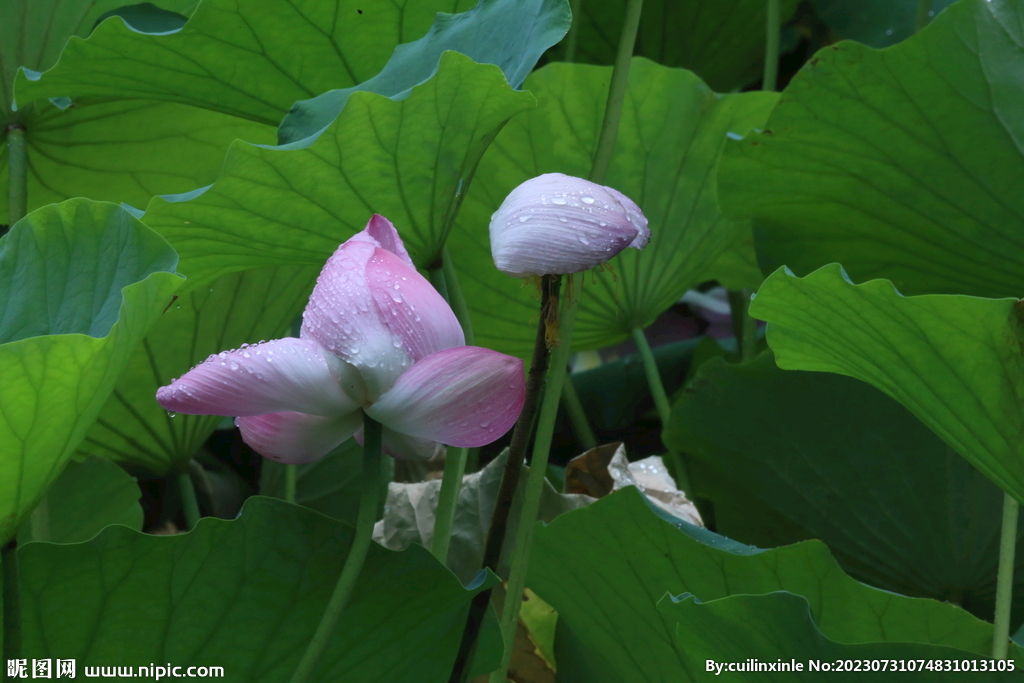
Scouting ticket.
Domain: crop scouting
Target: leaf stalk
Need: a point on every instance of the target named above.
(17, 168)
(1004, 577)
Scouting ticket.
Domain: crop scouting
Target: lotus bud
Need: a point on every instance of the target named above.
(558, 224)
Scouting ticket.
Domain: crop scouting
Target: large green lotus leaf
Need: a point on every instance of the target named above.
(115, 151)
(244, 307)
(672, 131)
(954, 361)
(782, 631)
(253, 59)
(721, 40)
(843, 463)
(408, 160)
(33, 32)
(878, 23)
(81, 283)
(246, 595)
(88, 496)
(605, 567)
(901, 163)
(124, 151)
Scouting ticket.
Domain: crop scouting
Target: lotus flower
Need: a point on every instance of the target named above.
(557, 224)
(376, 339)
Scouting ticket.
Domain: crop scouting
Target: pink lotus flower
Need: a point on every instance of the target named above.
(376, 339)
(557, 224)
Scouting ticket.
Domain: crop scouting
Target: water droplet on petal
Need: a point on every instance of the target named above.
(523, 219)
(170, 414)
(558, 200)
(587, 200)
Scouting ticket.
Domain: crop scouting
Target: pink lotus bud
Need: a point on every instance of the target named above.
(557, 224)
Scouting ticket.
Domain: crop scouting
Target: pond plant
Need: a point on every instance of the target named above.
(608, 340)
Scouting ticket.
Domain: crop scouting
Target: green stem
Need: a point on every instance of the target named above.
(661, 402)
(189, 503)
(771, 46)
(673, 460)
(616, 92)
(39, 521)
(368, 503)
(1004, 580)
(17, 168)
(291, 481)
(578, 416)
(520, 561)
(574, 30)
(455, 463)
(744, 328)
(11, 602)
(924, 7)
(451, 483)
(546, 328)
(455, 298)
(436, 276)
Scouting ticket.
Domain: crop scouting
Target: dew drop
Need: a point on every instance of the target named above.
(587, 200)
(583, 240)
(523, 219)
(170, 414)
(558, 200)
(234, 365)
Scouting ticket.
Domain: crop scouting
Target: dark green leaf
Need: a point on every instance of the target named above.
(245, 595)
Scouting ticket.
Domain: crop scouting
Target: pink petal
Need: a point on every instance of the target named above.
(411, 308)
(297, 437)
(343, 317)
(284, 374)
(383, 231)
(465, 396)
(372, 309)
(556, 223)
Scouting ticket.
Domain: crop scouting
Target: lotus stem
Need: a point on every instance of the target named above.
(291, 477)
(39, 520)
(1004, 578)
(578, 416)
(744, 328)
(520, 560)
(574, 30)
(616, 93)
(455, 462)
(444, 519)
(550, 285)
(368, 503)
(674, 460)
(189, 502)
(771, 46)
(924, 8)
(17, 168)
(11, 634)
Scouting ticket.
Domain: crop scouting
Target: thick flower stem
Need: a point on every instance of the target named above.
(451, 484)
(291, 476)
(520, 561)
(368, 504)
(17, 168)
(616, 92)
(189, 502)
(548, 326)
(574, 30)
(578, 416)
(455, 462)
(771, 46)
(12, 601)
(1004, 580)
